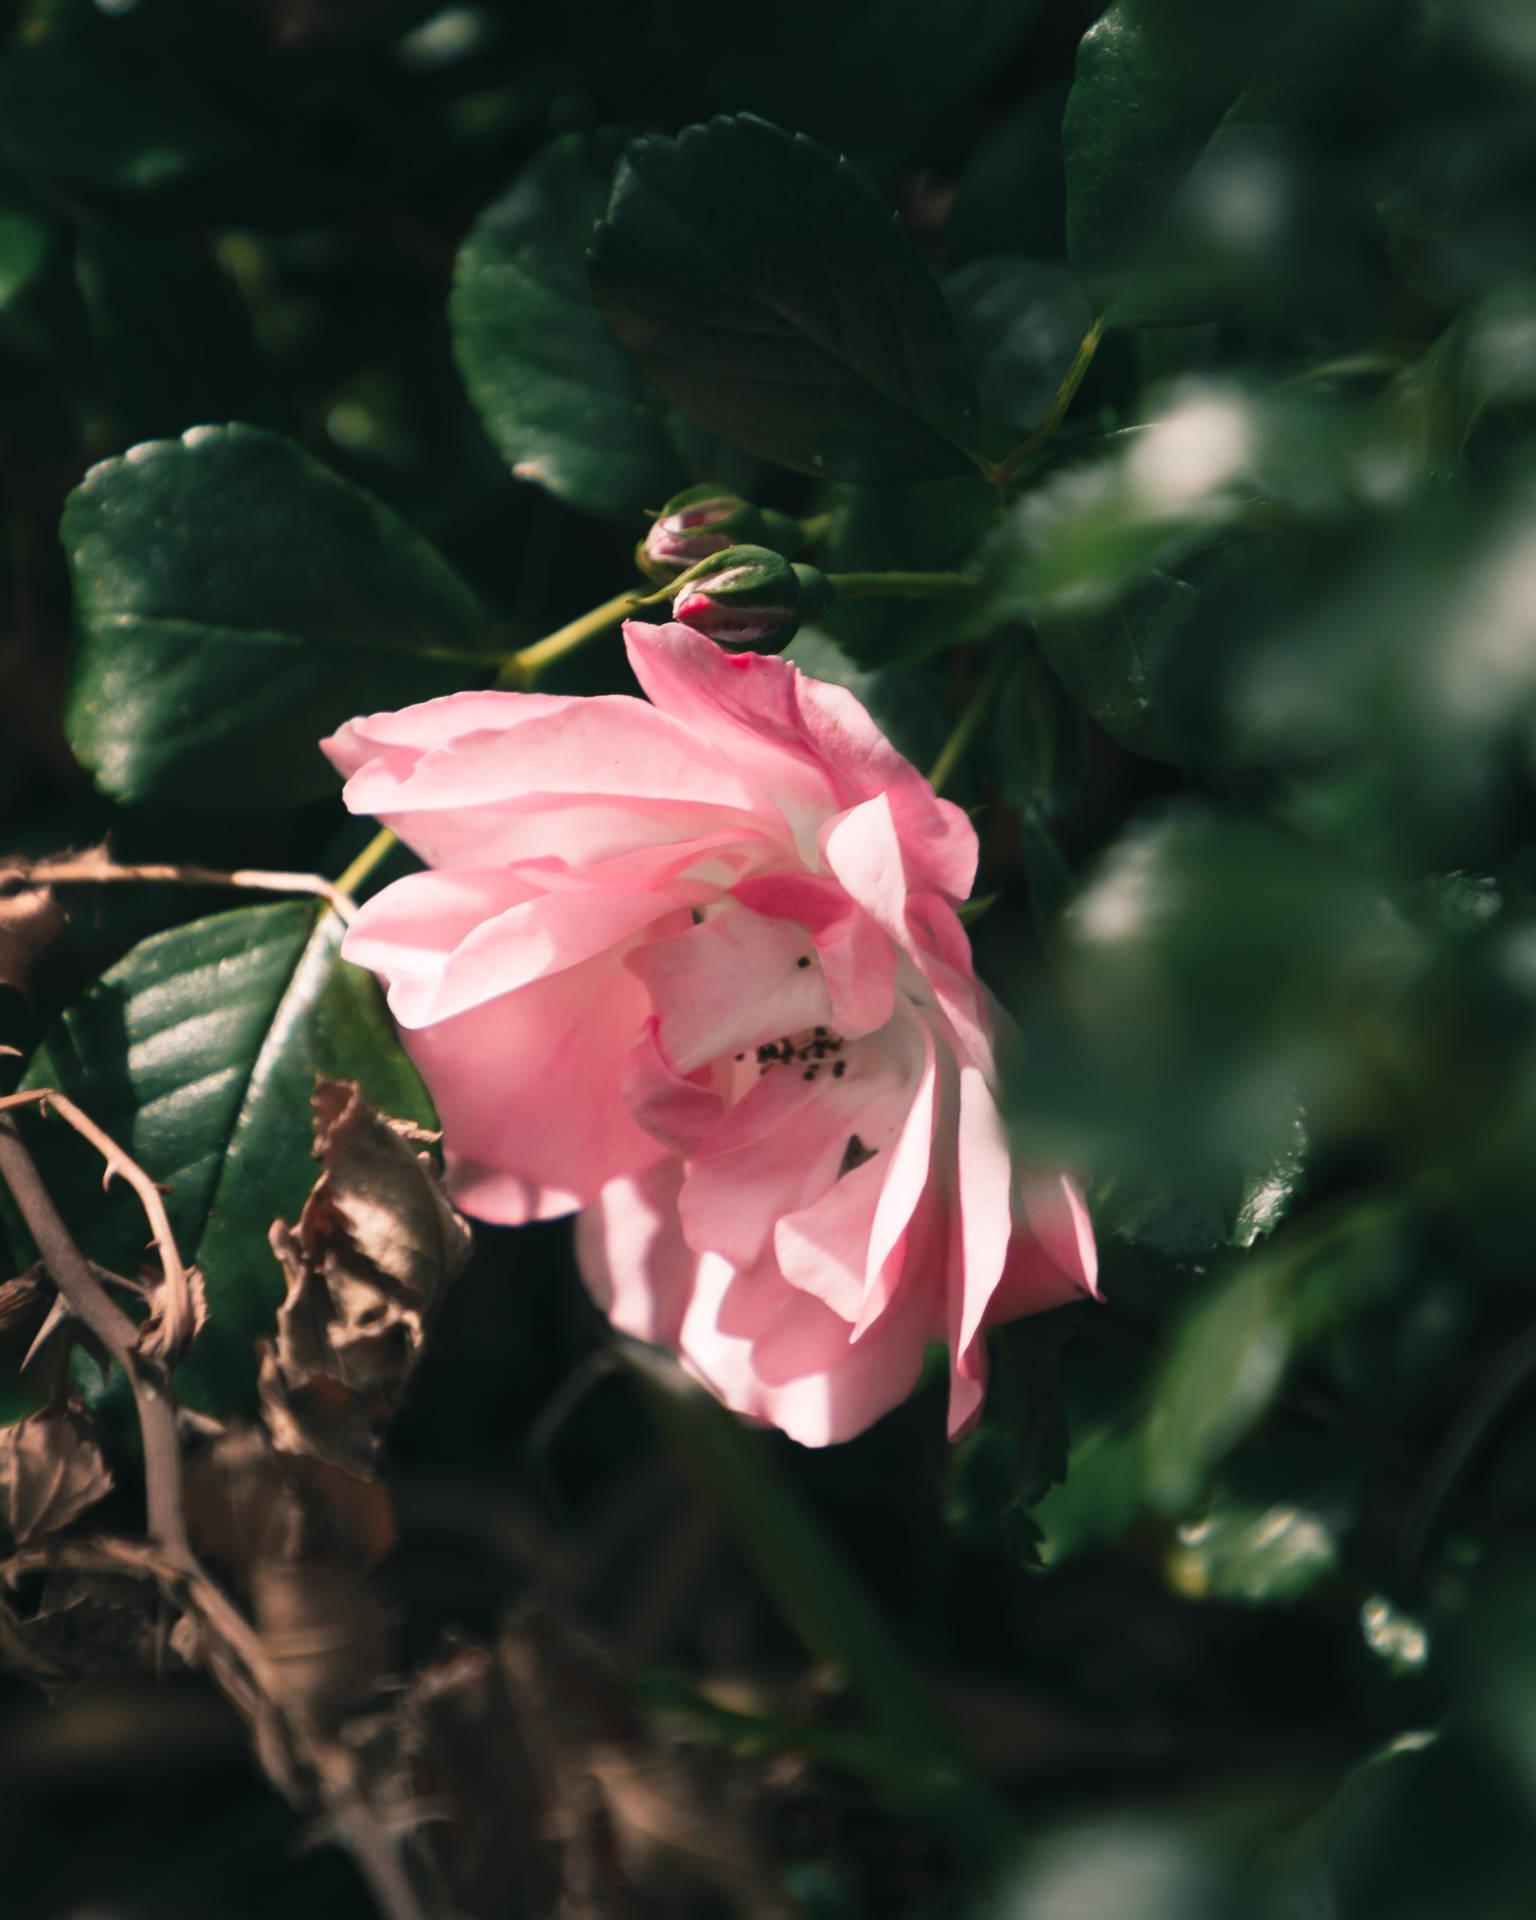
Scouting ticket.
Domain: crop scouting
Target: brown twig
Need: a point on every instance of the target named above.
(95, 867)
(179, 1313)
(167, 1556)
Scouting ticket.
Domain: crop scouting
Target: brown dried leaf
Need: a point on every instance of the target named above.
(375, 1247)
(301, 1534)
(637, 1816)
(51, 1470)
(88, 1624)
(249, 1504)
(466, 1761)
(30, 921)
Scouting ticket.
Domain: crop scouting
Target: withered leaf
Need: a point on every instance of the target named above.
(51, 1470)
(466, 1761)
(92, 1623)
(375, 1247)
(638, 1817)
(249, 1504)
(301, 1535)
(30, 921)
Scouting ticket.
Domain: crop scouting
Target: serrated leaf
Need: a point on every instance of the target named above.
(234, 601)
(764, 288)
(556, 392)
(51, 1470)
(198, 1052)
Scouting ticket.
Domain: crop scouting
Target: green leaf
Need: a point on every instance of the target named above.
(198, 1052)
(766, 290)
(235, 601)
(1184, 140)
(1231, 1350)
(556, 392)
(926, 525)
(1022, 322)
(23, 250)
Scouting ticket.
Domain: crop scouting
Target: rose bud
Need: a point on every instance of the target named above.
(749, 597)
(705, 520)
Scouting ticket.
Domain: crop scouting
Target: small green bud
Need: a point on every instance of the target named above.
(693, 525)
(746, 597)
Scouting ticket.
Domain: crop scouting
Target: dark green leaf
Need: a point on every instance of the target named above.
(1022, 322)
(928, 525)
(198, 1052)
(234, 601)
(23, 250)
(1229, 1355)
(768, 293)
(556, 391)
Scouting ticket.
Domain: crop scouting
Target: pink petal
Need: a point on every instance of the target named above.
(985, 1175)
(845, 1387)
(671, 1107)
(729, 984)
(409, 931)
(529, 1088)
(811, 745)
(632, 1255)
(477, 778)
(858, 961)
(780, 1148)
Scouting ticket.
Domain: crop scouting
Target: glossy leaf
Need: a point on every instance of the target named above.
(772, 297)
(1022, 322)
(234, 601)
(556, 392)
(198, 1051)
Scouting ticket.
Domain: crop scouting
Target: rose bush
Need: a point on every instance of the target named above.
(694, 967)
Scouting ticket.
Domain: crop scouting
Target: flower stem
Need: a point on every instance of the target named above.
(377, 849)
(521, 670)
(978, 704)
(822, 1599)
(900, 586)
(1007, 470)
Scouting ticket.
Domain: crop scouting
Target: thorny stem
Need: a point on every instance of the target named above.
(87, 1299)
(168, 1556)
(1007, 471)
(521, 670)
(93, 869)
(966, 725)
(899, 586)
(179, 1316)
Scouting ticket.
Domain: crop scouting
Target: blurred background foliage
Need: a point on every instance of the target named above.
(1233, 1591)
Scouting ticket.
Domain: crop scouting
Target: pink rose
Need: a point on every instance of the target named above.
(694, 967)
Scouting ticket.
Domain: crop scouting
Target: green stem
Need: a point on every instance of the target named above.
(817, 527)
(902, 586)
(377, 849)
(1004, 474)
(821, 1598)
(521, 669)
(966, 725)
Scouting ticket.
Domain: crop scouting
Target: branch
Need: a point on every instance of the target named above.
(179, 1311)
(94, 867)
(167, 1556)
